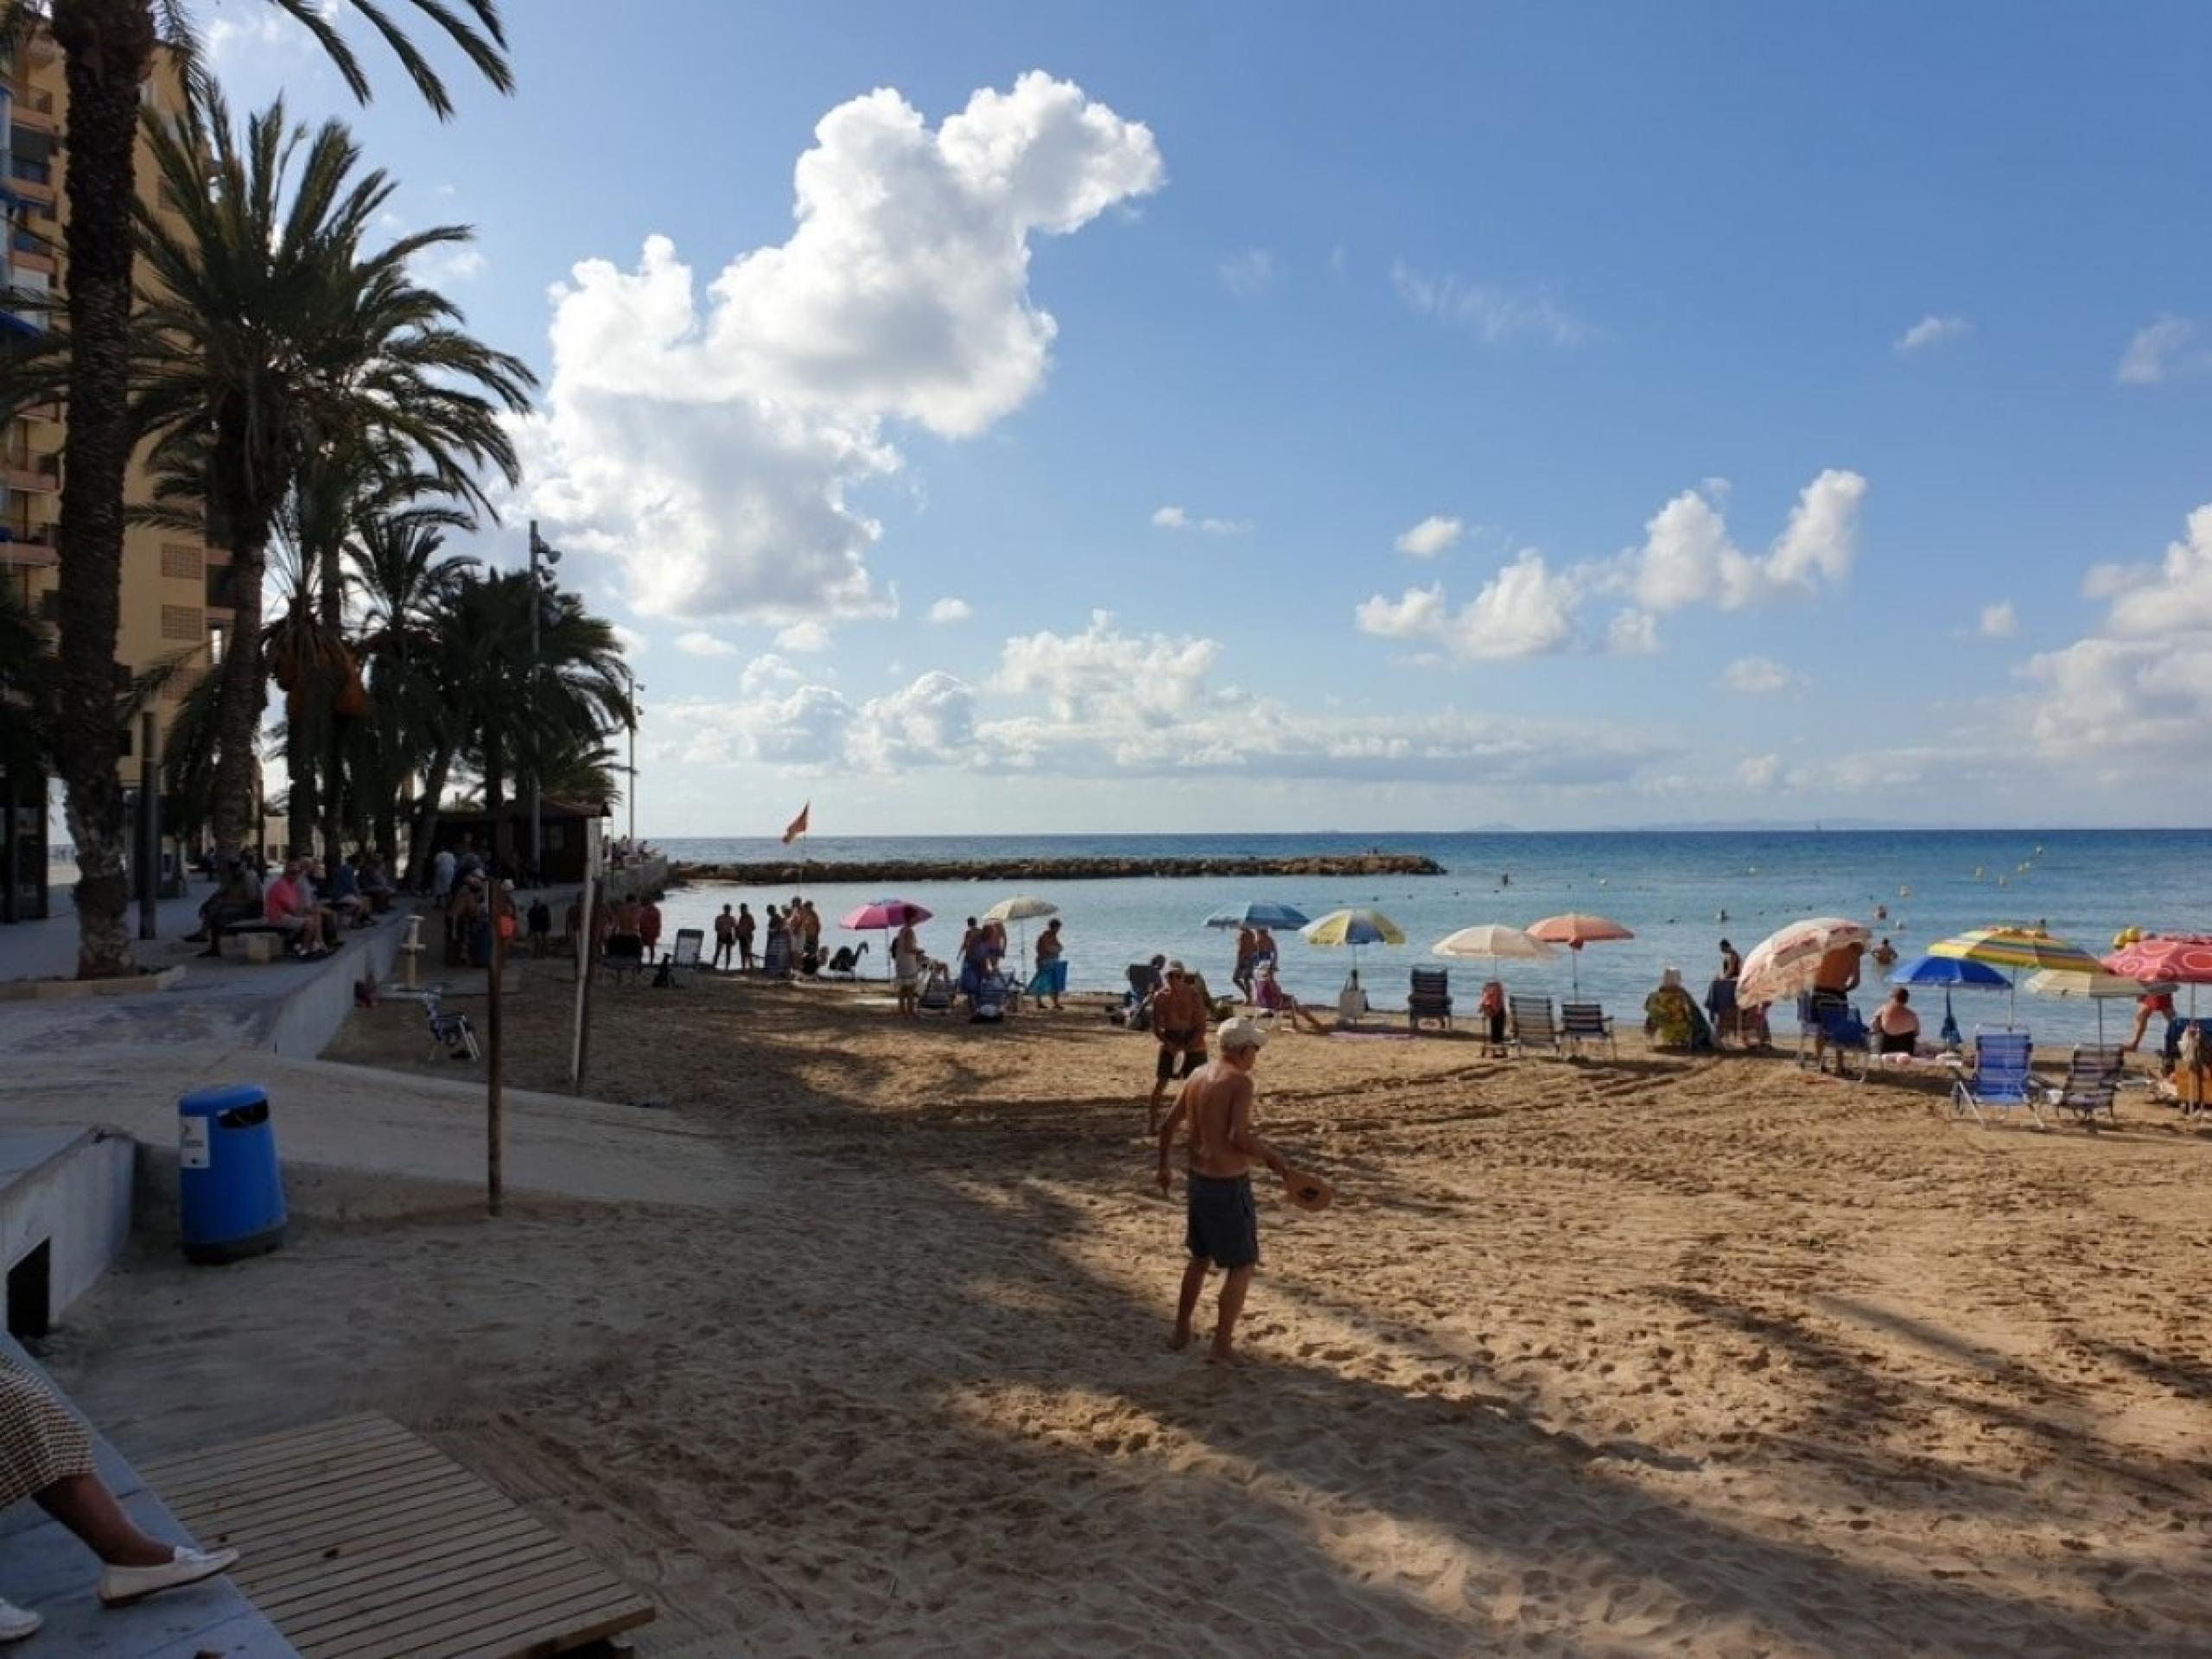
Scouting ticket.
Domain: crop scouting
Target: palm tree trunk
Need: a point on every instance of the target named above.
(425, 824)
(109, 45)
(330, 597)
(244, 695)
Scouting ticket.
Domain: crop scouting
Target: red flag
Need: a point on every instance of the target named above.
(797, 826)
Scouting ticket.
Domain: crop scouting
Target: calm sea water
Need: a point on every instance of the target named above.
(1672, 888)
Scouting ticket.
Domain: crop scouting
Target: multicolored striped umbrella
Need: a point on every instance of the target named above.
(2023, 949)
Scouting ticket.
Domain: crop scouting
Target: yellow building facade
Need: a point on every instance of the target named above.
(176, 595)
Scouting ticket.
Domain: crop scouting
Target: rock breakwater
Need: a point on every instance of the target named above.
(781, 873)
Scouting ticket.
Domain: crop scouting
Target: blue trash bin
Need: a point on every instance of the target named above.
(231, 1189)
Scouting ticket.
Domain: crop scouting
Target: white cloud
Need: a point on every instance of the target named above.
(2161, 350)
(1525, 610)
(1172, 517)
(2139, 690)
(807, 637)
(712, 443)
(2000, 620)
(1688, 556)
(951, 610)
(766, 671)
(1632, 633)
(1492, 313)
(1758, 677)
(1931, 330)
(445, 267)
(1250, 273)
(1431, 536)
(1759, 772)
(698, 643)
(634, 644)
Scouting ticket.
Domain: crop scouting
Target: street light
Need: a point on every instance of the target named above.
(543, 558)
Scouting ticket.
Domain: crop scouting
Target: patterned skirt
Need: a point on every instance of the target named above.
(41, 1440)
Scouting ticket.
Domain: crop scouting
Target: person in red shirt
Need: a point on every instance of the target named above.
(649, 927)
(288, 906)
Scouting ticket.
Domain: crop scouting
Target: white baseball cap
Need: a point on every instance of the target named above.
(1238, 1031)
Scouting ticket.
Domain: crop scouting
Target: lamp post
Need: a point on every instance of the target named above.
(543, 558)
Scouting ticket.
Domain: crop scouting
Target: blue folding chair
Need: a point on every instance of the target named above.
(2002, 1077)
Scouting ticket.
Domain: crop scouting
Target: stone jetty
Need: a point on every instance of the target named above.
(787, 873)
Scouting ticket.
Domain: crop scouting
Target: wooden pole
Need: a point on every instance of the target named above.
(494, 1078)
(582, 947)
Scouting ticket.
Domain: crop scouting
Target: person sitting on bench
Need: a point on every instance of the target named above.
(238, 899)
(288, 909)
(340, 894)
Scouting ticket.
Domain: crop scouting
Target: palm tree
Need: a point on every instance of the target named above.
(269, 345)
(108, 47)
(517, 716)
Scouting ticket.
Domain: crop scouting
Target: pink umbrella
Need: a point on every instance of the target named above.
(1574, 930)
(884, 914)
(2172, 958)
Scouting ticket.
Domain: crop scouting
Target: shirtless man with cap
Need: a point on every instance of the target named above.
(1179, 1022)
(1223, 1229)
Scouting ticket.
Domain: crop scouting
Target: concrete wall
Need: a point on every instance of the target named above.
(639, 878)
(71, 1191)
(311, 1015)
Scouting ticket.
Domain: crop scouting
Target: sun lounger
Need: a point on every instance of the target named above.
(1586, 1022)
(450, 1033)
(2092, 1082)
(2002, 1077)
(1532, 1023)
(776, 957)
(1430, 999)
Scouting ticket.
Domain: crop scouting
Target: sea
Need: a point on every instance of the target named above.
(1680, 892)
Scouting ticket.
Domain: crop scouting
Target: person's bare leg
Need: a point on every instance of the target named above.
(1224, 1319)
(1186, 1305)
(1152, 1108)
(84, 1504)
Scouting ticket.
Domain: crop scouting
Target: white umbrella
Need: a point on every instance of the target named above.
(1494, 941)
(2100, 987)
(1787, 963)
(1020, 910)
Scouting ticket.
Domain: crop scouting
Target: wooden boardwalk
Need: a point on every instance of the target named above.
(361, 1541)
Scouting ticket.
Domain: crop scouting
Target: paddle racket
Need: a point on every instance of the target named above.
(1307, 1191)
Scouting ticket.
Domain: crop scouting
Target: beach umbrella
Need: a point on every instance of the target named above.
(1495, 943)
(1948, 971)
(2026, 950)
(2174, 958)
(1021, 909)
(1788, 961)
(1258, 913)
(2099, 988)
(883, 914)
(1354, 928)
(1575, 930)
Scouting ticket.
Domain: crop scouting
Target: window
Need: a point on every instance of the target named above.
(183, 622)
(184, 563)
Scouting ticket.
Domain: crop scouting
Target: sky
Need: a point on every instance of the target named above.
(1011, 419)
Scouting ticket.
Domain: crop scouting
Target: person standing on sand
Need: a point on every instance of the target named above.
(1248, 948)
(1222, 1228)
(908, 962)
(745, 932)
(1179, 1022)
(1833, 982)
(1052, 976)
(725, 939)
(649, 927)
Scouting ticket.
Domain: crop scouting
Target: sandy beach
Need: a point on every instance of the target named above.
(1702, 1356)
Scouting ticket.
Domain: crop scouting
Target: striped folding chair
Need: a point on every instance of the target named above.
(2002, 1079)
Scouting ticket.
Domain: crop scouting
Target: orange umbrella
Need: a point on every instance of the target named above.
(1574, 930)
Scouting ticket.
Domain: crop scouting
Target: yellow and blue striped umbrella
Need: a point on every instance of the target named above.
(2028, 949)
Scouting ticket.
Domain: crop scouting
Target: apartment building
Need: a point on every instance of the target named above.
(176, 597)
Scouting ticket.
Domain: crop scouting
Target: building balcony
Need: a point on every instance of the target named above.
(34, 474)
(29, 253)
(34, 111)
(31, 182)
(26, 549)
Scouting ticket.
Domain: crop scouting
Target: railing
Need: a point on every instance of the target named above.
(31, 172)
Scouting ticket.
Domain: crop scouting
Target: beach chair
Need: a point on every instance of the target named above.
(2002, 1077)
(936, 991)
(626, 954)
(1135, 1015)
(1586, 1022)
(1848, 1033)
(1430, 998)
(776, 957)
(450, 1033)
(1532, 1023)
(1351, 1003)
(2092, 1082)
(677, 966)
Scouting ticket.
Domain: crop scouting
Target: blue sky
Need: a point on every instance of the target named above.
(1805, 410)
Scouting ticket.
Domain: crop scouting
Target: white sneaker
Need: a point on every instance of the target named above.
(121, 1585)
(16, 1623)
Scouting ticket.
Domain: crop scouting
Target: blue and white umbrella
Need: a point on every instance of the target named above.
(1258, 913)
(1948, 971)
